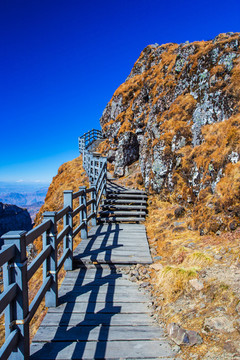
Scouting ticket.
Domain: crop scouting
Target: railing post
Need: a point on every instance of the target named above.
(83, 213)
(51, 297)
(94, 205)
(68, 241)
(16, 313)
(105, 178)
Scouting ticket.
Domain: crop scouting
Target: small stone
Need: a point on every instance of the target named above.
(153, 251)
(156, 267)
(178, 223)
(156, 258)
(133, 278)
(218, 257)
(196, 284)
(233, 225)
(134, 273)
(179, 211)
(144, 284)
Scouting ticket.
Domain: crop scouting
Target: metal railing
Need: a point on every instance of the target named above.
(14, 300)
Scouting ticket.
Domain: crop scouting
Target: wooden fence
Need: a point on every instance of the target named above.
(14, 300)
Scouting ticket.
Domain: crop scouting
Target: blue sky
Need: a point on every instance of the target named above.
(61, 61)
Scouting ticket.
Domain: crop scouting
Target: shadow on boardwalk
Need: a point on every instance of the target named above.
(78, 334)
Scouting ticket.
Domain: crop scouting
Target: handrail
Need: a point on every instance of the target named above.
(62, 212)
(86, 140)
(37, 231)
(14, 252)
(7, 254)
(34, 266)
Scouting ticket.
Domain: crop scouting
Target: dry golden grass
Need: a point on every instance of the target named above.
(186, 255)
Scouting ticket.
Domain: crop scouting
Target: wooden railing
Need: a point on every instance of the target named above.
(87, 139)
(14, 300)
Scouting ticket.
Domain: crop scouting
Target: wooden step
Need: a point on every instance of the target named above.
(120, 219)
(125, 196)
(124, 207)
(134, 192)
(121, 213)
(125, 201)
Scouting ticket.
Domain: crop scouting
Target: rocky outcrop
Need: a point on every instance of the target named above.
(178, 113)
(13, 217)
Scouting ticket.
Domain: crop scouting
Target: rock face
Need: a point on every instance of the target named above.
(178, 113)
(13, 217)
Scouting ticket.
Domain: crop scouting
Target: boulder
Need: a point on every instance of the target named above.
(182, 336)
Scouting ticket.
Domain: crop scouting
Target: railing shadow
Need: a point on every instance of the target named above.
(79, 333)
(103, 247)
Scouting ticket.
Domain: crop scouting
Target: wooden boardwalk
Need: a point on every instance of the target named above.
(102, 314)
(115, 244)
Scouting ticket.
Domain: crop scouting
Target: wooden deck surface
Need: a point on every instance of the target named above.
(115, 244)
(102, 314)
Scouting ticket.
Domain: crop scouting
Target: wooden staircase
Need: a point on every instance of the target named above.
(123, 205)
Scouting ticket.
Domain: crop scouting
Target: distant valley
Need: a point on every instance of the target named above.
(29, 196)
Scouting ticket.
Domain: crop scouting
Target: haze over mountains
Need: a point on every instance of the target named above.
(27, 195)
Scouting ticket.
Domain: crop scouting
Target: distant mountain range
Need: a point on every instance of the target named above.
(29, 196)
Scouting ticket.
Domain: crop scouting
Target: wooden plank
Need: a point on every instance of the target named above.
(103, 289)
(123, 207)
(119, 218)
(133, 247)
(119, 201)
(94, 229)
(98, 333)
(117, 259)
(82, 307)
(94, 274)
(127, 196)
(97, 282)
(102, 350)
(108, 298)
(113, 252)
(89, 319)
(121, 260)
(121, 213)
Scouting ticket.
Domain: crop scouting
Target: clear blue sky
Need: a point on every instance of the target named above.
(61, 61)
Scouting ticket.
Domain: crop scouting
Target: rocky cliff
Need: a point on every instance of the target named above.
(178, 114)
(13, 217)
